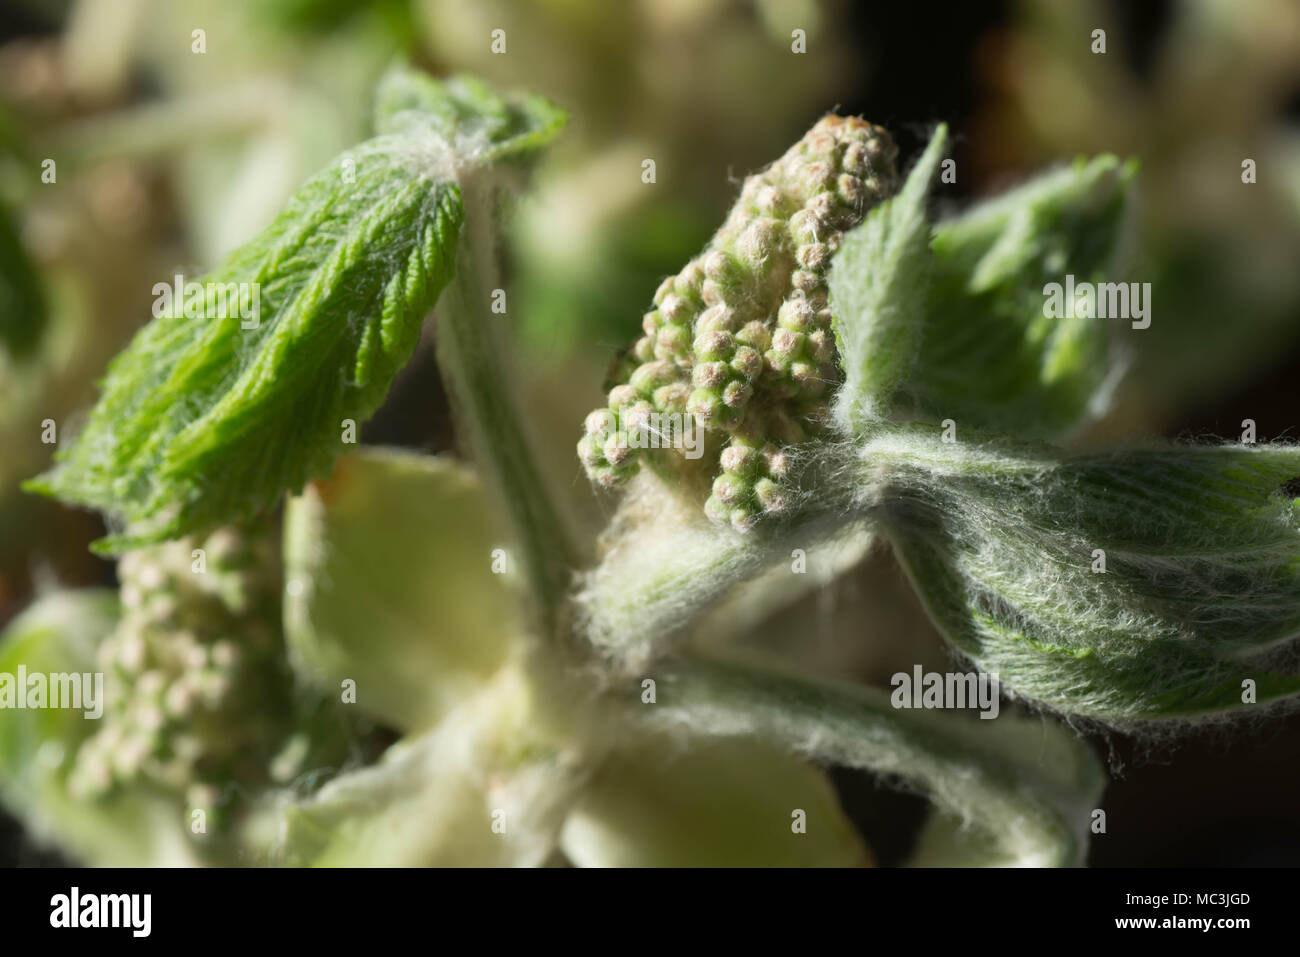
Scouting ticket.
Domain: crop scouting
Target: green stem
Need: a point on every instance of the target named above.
(640, 596)
(1026, 785)
(650, 588)
(475, 359)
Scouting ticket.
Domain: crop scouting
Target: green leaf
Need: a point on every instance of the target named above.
(660, 803)
(479, 123)
(1025, 786)
(59, 634)
(203, 421)
(364, 547)
(877, 286)
(989, 357)
(958, 331)
(1201, 583)
(22, 301)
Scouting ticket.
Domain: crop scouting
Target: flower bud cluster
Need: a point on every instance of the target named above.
(741, 338)
(196, 696)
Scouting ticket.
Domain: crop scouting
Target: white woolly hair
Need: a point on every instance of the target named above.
(1199, 591)
(1126, 587)
(663, 565)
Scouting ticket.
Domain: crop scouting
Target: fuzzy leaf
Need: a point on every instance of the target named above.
(653, 586)
(958, 331)
(877, 286)
(59, 634)
(365, 545)
(478, 122)
(988, 356)
(203, 421)
(1201, 583)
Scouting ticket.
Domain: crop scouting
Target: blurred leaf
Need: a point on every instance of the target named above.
(321, 16)
(203, 421)
(1201, 580)
(38, 746)
(589, 289)
(393, 554)
(716, 803)
(22, 302)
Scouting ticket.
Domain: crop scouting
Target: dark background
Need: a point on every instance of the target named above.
(1222, 797)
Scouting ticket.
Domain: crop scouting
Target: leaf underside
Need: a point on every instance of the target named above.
(1132, 585)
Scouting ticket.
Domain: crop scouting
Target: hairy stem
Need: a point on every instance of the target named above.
(474, 356)
(1026, 785)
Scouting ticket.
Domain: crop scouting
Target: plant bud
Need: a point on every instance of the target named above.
(714, 346)
(763, 357)
(717, 318)
(193, 679)
(672, 398)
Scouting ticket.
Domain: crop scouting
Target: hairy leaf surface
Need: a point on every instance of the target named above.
(1137, 584)
(877, 288)
(206, 418)
(989, 357)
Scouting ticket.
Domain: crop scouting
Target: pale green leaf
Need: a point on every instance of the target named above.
(486, 787)
(391, 561)
(709, 803)
(959, 330)
(479, 123)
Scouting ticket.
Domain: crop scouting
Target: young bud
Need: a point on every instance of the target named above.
(796, 315)
(673, 342)
(672, 398)
(195, 678)
(762, 357)
(736, 394)
(716, 346)
(741, 460)
(755, 334)
(748, 362)
(651, 376)
(709, 375)
(717, 318)
(616, 450)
